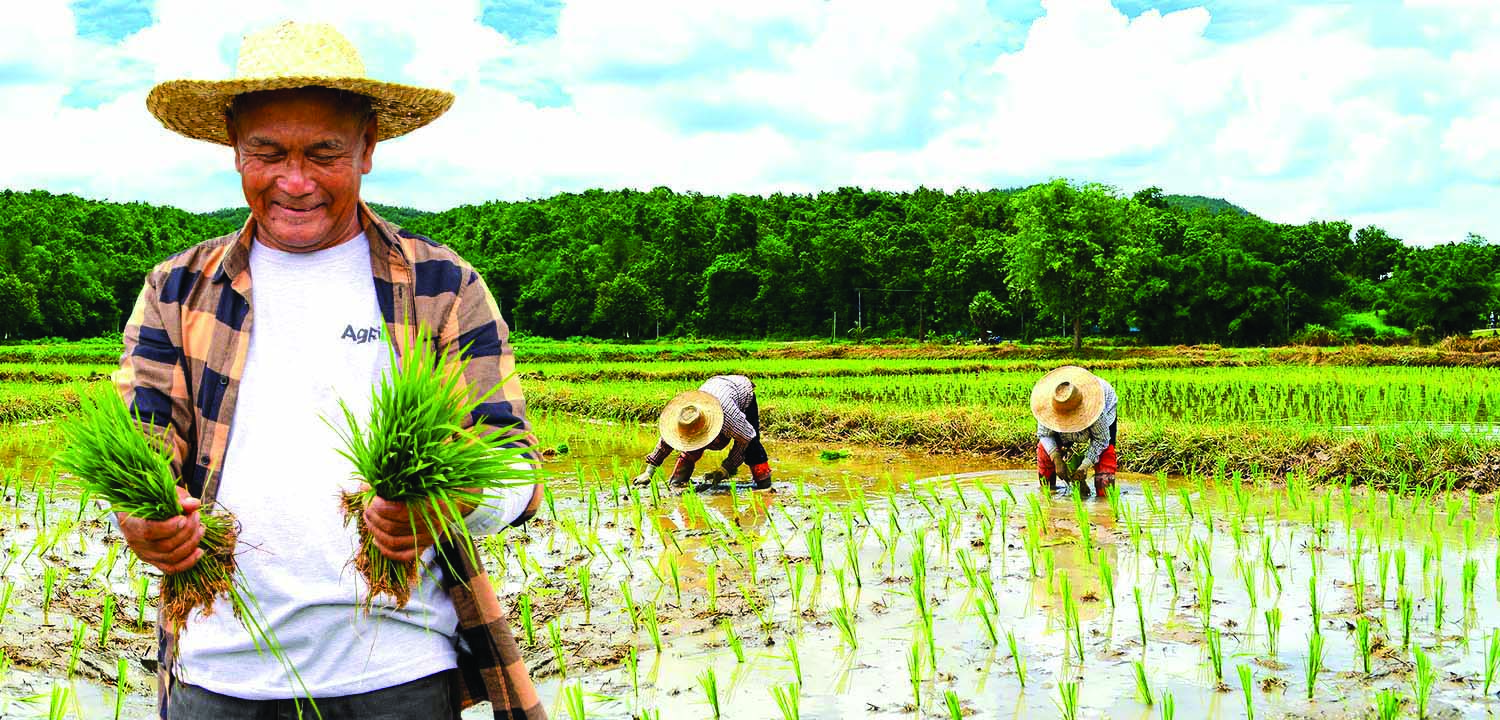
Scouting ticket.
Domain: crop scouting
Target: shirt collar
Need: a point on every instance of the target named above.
(378, 232)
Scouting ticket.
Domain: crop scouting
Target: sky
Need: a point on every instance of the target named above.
(1382, 112)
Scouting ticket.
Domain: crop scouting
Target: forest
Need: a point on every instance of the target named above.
(1055, 259)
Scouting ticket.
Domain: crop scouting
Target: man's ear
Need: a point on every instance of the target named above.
(234, 144)
(372, 130)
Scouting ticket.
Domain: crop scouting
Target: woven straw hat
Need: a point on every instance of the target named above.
(1067, 399)
(691, 420)
(292, 55)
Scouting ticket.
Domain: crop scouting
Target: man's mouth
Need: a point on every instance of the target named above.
(295, 210)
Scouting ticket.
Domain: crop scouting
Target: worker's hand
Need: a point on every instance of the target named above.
(1082, 472)
(644, 478)
(400, 530)
(716, 475)
(170, 545)
(1058, 461)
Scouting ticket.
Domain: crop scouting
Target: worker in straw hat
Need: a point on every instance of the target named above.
(241, 346)
(720, 413)
(1075, 416)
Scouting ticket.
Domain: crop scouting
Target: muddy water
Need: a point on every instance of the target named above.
(1148, 543)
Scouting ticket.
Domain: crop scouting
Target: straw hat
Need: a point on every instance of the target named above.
(292, 55)
(691, 420)
(1067, 399)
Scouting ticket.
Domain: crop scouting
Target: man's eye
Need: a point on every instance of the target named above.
(268, 157)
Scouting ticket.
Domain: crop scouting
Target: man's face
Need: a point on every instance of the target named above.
(300, 155)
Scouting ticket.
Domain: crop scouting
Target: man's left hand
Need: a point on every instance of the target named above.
(1082, 473)
(715, 476)
(400, 533)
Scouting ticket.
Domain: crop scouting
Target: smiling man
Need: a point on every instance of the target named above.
(240, 351)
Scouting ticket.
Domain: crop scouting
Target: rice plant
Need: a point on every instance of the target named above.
(988, 622)
(5, 596)
(1107, 580)
(914, 674)
(1168, 705)
(1015, 656)
(555, 635)
(1491, 659)
(1273, 631)
(710, 684)
(1423, 679)
(1404, 606)
(122, 685)
(1313, 663)
(1067, 695)
(1247, 684)
(1216, 653)
(788, 699)
(80, 632)
(1362, 641)
(572, 700)
(843, 618)
(1142, 685)
(795, 658)
(648, 616)
(106, 618)
(955, 709)
(736, 645)
(633, 669)
(1387, 705)
(1140, 617)
(415, 449)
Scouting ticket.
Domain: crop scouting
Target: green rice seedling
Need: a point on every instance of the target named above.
(966, 565)
(843, 618)
(1247, 577)
(1247, 684)
(141, 598)
(1142, 685)
(1067, 694)
(955, 710)
(1387, 705)
(914, 675)
(1273, 631)
(523, 604)
(1216, 653)
(711, 585)
(851, 560)
(632, 612)
(987, 620)
(987, 585)
(1362, 641)
(710, 684)
(1312, 600)
(795, 572)
(1422, 679)
(572, 700)
(788, 699)
(1107, 581)
(1015, 656)
(1400, 558)
(1140, 616)
(1072, 627)
(795, 658)
(49, 581)
(1404, 606)
(57, 704)
(1206, 594)
(814, 534)
(106, 618)
(80, 633)
(1491, 659)
(1168, 706)
(415, 449)
(554, 633)
(1172, 574)
(583, 590)
(633, 668)
(1471, 574)
(674, 572)
(1313, 663)
(648, 616)
(1383, 563)
(1085, 527)
(736, 645)
(5, 595)
(122, 685)
(1439, 594)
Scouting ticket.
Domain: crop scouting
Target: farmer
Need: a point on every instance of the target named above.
(239, 351)
(720, 413)
(1075, 414)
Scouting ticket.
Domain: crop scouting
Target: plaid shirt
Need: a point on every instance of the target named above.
(185, 349)
(734, 393)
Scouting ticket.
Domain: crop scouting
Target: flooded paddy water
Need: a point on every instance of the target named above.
(886, 584)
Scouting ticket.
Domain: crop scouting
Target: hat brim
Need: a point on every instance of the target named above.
(708, 406)
(196, 108)
(1082, 415)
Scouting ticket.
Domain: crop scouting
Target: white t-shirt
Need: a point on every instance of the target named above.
(316, 338)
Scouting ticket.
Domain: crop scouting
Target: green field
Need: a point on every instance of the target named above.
(1316, 516)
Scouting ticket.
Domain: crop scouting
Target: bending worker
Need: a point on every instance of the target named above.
(719, 413)
(1075, 413)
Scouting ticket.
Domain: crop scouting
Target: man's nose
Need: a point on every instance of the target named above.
(294, 181)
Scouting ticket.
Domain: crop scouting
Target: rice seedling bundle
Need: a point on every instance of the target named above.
(415, 449)
(110, 456)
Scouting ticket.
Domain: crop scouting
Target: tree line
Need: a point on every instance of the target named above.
(1059, 258)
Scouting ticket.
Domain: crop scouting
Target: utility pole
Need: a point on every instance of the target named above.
(860, 303)
(835, 325)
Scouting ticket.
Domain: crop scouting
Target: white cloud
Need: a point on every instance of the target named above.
(1311, 119)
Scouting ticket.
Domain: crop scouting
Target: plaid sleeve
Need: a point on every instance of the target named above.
(475, 328)
(150, 378)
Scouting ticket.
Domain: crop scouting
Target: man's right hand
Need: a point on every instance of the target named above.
(170, 545)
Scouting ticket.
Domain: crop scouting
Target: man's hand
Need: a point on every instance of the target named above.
(644, 478)
(398, 532)
(1082, 472)
(715, 476)
(170, 545)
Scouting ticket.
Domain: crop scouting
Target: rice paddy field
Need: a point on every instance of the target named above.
(1295, 535)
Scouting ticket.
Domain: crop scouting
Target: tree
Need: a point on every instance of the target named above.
(1448, 287)
(626, 306)
(986, 311)
(1073, 247)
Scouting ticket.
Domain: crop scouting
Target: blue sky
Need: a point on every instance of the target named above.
(1379, 111)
